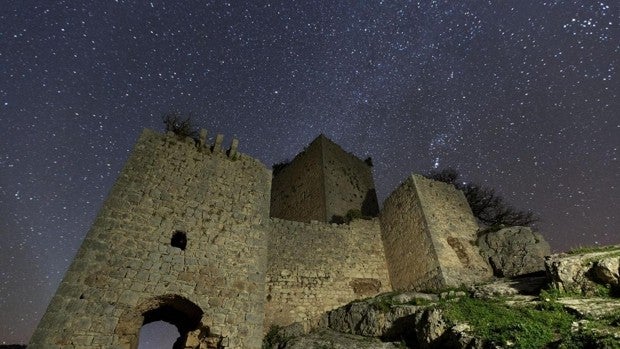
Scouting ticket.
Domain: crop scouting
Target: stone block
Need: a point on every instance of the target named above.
(217, 146)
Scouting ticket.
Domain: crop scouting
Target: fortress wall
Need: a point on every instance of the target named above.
(297, 191)
(316, 267)
(348, 182)
(411, 258)
(453, 230)
(126, 261)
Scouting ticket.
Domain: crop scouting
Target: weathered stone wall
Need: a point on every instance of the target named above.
(126, 263)
(315, 267)
(429, 234)
(412, 260)
(453, 230)
(298, 191)
(322, 182)
(348, 182)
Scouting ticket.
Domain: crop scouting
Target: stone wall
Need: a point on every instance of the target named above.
(321, 182)
(127, 268)
(315, 267)
(412, 260)
(453, 230)
(348, 182)
(298, 191)
(429, 234)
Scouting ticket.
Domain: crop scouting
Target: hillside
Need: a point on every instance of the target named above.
(575, 304)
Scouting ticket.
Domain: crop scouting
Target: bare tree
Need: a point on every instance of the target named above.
(487, 206)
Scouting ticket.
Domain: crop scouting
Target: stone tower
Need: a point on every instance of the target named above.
(429, 236)
(180, 238)
(323, 183)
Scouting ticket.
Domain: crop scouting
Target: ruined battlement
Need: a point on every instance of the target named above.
(201, 143)
(207, 239)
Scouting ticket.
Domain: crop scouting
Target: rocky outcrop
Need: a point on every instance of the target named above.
(528, 286)
(517, 312)
(587, 273)
(326, 338)
(514, 251)
(593, 308)
(429, 322)
(418, 324)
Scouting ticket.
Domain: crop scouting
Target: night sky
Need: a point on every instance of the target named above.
(521, 96)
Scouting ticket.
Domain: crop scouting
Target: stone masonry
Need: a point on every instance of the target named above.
(185, 236)
(127, 271)
(323, 183)
(429, 236)
(316, 267)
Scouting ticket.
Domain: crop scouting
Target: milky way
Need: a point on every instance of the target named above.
(521, 96)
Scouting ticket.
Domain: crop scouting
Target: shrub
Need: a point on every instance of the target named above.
(273, 338)
(351, 215)
(180, 126)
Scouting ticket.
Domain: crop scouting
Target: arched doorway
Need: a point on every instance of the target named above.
(173, 309)
(157, 335)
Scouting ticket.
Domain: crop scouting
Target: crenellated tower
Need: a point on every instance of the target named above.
(180, 238)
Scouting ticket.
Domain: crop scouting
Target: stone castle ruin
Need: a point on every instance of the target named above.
(206, 239)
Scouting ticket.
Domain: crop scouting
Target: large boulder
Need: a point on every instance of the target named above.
(422, 326)
(514, 251)
(588, 273)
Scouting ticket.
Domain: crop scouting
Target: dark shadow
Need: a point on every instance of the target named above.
(403, 330)
(337, 219)
(179, 240)
(530, 284)
(370, 205)
(497, 272)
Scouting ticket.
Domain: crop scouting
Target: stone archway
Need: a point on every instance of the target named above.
(174, 309)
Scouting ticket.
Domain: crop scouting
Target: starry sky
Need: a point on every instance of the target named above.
(521, 96)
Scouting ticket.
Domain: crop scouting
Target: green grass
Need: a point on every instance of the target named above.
(517, 327)
(590, 249)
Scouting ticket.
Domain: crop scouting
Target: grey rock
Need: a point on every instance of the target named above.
(325, 338)
(514, 251)
(452, 294)
(581, 273)
(430, 326)
(420, 326)
(407, 297)
(607, 270)
(459, 336)
(530, 285)
(594, 308)
(369, 318)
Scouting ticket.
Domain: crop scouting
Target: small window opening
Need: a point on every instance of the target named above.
(179, 240)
